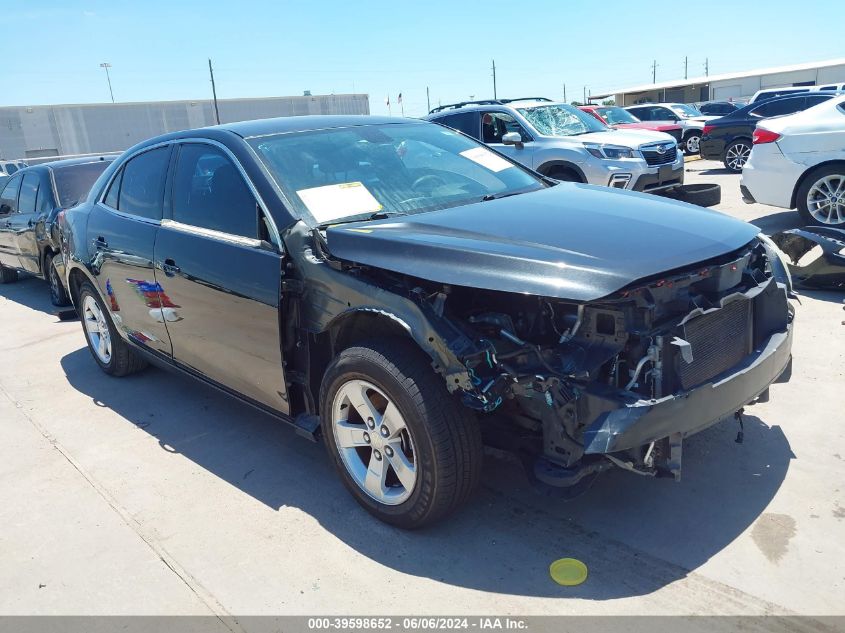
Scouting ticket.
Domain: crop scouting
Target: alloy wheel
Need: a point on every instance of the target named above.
(737, 155)
(692, 144)
(97, 329)
(826, 199)
(374, 442)
(54, 284)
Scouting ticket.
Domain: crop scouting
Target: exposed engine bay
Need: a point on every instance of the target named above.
(577, 388)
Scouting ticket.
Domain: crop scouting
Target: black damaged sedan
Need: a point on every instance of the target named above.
(409, 295)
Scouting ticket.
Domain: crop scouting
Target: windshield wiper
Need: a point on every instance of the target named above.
(497, 196)
(362, 217)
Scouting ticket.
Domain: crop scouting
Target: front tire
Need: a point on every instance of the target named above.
(58, 294)
(692, 143)
(736, 155)
(408, 452)
(821, 196)
(110, 351)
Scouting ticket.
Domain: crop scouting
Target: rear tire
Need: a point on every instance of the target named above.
(110, 351)
(58, 294)
(736, 155)
(692, 142)
(820, 185)
(429, 438)
(8, 275)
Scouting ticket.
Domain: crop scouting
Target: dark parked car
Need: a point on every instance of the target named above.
(719, 108)
(408, 293)
(729, 138)
(30, 202)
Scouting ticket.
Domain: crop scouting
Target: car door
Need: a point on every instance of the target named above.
(8, 209)
(22, 224)
(121, 235)
(221, 276)
(494, 125)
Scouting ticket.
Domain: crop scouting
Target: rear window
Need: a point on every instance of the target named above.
(75, 181)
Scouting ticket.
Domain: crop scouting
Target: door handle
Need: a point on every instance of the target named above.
(100, 243)
(170, 268)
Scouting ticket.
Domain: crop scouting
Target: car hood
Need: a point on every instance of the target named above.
(651, 125)
(570, 241)
(626, 138)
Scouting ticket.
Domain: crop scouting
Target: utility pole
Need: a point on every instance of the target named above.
(585, 95)
(214, 92)
(106, 65)
(494, 79)
(564, 93)
(427, 99)
(686, 67)
(706, 67)
(654, 72)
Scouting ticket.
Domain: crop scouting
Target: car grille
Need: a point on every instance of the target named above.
(653, 157)
(719, 340)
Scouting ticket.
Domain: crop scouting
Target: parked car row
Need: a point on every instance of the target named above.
(565, 143)
(409, 294)
(730, 138)
(686, 115)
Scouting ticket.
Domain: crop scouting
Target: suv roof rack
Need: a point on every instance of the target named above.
(461, 104)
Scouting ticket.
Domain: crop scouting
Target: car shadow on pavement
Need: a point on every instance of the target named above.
(782, 220)
(31, 292)
(636, 534)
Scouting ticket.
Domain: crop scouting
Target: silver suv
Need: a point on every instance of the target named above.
(562, 142)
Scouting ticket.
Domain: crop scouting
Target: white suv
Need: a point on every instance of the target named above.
(799, 161)
(560, 141)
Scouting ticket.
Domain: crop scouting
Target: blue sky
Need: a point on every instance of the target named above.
(159, 49)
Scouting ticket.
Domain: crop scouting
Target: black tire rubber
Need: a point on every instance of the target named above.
(687, 137)
(124, 360)
(748, 144)
(446, 434)
(58, 294)
(806, 184)
(703, 195)
(565, 175)
(8, 275)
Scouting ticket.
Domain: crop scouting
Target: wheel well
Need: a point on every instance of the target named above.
(806, 174)
(689, 133)
(346, 331)
(75, 280)
(48, 251)
(555, 166)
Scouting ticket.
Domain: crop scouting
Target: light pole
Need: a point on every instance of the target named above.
(106, 65)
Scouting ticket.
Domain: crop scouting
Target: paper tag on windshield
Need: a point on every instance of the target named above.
(332, 202)
(486, 158)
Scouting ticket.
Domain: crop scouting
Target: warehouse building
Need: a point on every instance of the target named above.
(62, 130)
(730, 85)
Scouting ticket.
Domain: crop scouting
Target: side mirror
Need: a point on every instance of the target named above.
(512, 138)
(5, 209)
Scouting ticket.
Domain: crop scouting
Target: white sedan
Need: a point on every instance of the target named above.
(799, 161)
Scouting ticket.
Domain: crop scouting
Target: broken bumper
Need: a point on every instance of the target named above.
(645, 421)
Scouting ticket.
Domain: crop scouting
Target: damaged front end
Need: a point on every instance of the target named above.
(575, 388)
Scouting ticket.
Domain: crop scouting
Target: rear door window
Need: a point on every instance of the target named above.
(29, 193)
(209, 192)
(142, 184)
(44, 202)
(466, 122)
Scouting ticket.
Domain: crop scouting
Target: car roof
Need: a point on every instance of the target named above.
(67, 162)
(282, 125)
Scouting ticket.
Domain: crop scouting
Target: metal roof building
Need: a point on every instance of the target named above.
(62, 130)
(730, 85)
